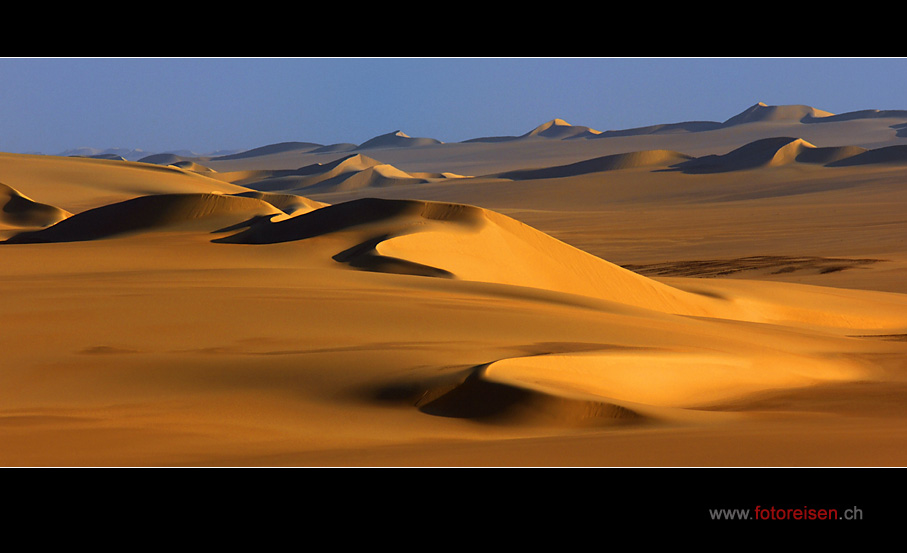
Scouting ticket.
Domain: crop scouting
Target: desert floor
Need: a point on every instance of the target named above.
(633, 315)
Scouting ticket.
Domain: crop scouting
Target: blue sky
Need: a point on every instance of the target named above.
(49, 105)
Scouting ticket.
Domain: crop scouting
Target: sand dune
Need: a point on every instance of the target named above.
(340, 147)
(631, 160)
(890, 154)
(213, 312)
(18, 211)
(555, 129)
(771, 152)
(559, 129)
(859, 114)
(396, 139)
(350, 172)
(470, 243)
(273, 149)
(762, 112)
(77, 184)
(152, 213)
(290, 204)
(166, 159)
(192, 166)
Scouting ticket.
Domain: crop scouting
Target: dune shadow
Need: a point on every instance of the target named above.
(365, 256)
(468, 395)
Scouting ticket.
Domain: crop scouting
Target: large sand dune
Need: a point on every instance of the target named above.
(152, 213)
(588, 299)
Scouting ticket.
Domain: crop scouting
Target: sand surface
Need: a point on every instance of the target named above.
(692, 295)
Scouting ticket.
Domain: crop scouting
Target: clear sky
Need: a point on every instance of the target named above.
(49, 105)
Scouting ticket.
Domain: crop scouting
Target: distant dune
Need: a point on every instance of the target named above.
(860, 114)
(560, 130)
(270, 149)
(887, 155)
(396, 139)
(631, 160)
(192, 166)
(165, 159)
(666, 128)
(330, 148)
(762, 112)
(555, 129)
(762, 153)
(771, 152)
(351, 172)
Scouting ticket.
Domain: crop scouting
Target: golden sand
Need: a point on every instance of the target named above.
(734, 297)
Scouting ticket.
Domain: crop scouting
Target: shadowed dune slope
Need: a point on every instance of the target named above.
(19, 211)
(150, 213)
(630, 160)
